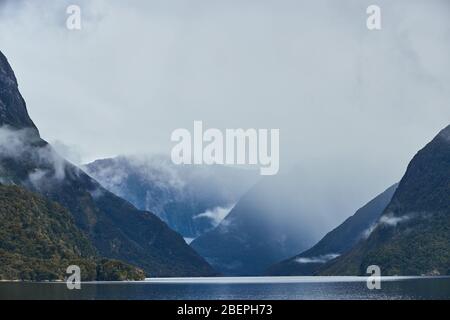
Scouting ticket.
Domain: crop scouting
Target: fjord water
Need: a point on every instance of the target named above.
(257, 288)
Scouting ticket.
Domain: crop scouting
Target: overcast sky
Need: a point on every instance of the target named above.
(352, 105)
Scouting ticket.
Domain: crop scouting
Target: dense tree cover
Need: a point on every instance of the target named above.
(39, 240)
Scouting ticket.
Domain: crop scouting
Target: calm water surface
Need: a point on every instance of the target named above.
(236, 288)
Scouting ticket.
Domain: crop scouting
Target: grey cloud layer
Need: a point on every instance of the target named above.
(342, 96)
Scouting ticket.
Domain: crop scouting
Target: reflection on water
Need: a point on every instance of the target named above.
(257, 288)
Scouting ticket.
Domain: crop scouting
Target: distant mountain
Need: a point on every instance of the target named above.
(39, 240)
(190, 199)
(114, 226)
(337, 241)
(277, 218)
(412, 237)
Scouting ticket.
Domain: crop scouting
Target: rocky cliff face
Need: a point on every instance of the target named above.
(13, 111)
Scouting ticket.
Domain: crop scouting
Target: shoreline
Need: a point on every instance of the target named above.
(237, 280)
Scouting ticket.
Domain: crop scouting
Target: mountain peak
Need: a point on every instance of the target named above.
(13, 110)
(445, 133)
(7, 77)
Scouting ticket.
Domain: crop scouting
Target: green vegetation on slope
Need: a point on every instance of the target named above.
(39, 240)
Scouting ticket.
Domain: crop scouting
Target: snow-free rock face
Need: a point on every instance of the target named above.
(445, 134)
(114, 226)
(13, 111)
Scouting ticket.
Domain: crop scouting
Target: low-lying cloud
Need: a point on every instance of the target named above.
(318, 259)
(20, 146)
(388, 220)
(216, 215)
(392, 221)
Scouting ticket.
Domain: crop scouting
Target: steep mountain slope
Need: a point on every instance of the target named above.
(9, 96)
(39, 240)
(337, 241)
(190, 199)
(412, 236)
(115, 227)
(279, 217)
